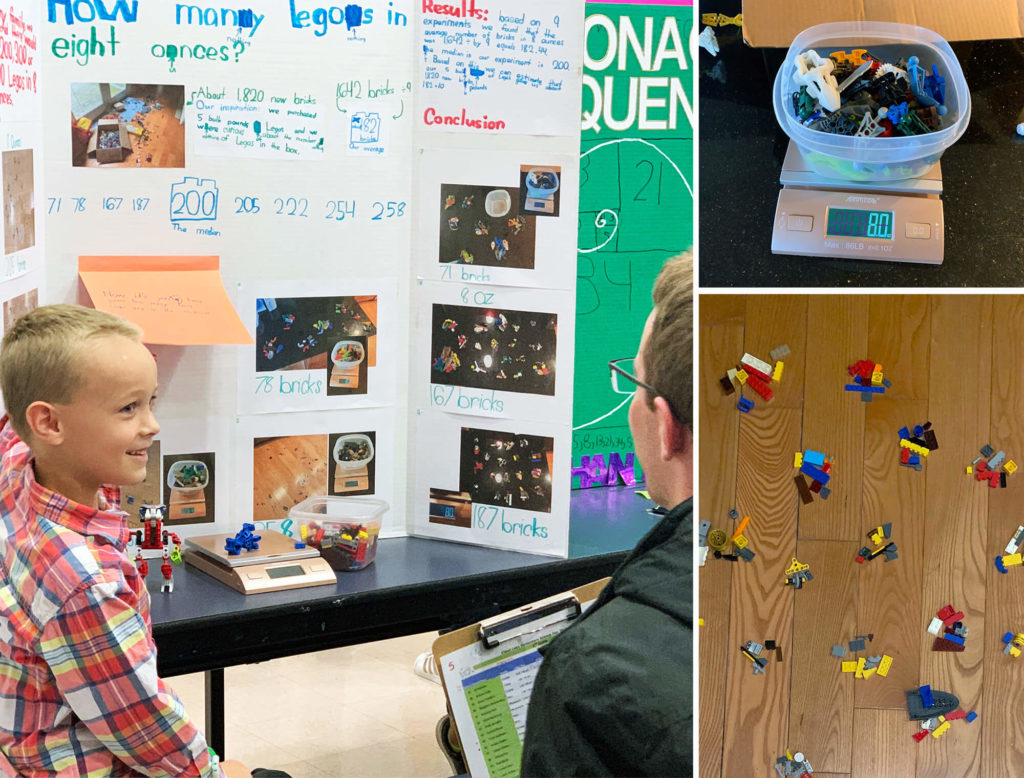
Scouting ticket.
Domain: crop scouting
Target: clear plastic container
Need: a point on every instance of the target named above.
(874, 159)
(343, 529)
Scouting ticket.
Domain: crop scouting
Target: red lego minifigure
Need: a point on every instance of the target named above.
(158, 542)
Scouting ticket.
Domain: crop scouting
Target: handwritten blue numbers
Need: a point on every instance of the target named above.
(338, 210)
(194, 199)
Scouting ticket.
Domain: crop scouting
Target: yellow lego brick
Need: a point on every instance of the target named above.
(914, 447)
(969, 470)
(1014, 651)
(869, 672)
(884, 665)
(1011, 559)
(849, 667)
(1010, 466)
(741, 376)
(877, 536)
(700, 622)
(739, 541)
(798, 459)
(942, 719)
(777, 373)
(876, 379)
(939, 730)
(860, 668)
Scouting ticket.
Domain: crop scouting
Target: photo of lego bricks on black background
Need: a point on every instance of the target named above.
(189, 488)
(335, 334)
(485, 225)
(503, 468)
(492, 348)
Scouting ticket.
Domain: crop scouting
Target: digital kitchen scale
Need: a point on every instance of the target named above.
(895, 221)
(274, 566)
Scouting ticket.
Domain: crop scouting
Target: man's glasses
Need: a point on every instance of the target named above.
(624, 381)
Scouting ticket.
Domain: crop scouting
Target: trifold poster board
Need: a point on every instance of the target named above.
(488, 671)
(371, 207)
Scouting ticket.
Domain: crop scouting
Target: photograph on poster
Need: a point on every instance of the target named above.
(318, 333)
(505, 468)
(189, 488)
(538, 190)
(485, 225)
(127, 125)
(351, 465)
(453, 509)
(288, 469)
(148, 492)
(18, 306)
(488, 348)
(19, 201)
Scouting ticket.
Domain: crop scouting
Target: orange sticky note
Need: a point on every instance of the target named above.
(178, 301)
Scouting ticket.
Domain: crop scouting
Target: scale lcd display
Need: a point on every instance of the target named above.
(284, 572)
(858, 223)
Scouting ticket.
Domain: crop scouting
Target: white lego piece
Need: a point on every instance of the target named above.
(708, 41)
(935, 627)
(1014, 545)
(816, 74)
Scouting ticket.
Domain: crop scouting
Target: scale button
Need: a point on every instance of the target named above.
(921, 230)
(317, 567)
(800, 222)
(253, 576)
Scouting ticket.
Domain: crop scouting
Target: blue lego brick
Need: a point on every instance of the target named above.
(914, 459)
(815, 458)
(858, 388)
(824, 492)
(953, 638)
(926, 696)
(918, 430)
(970, 717)
(1007, 637)
(904, 433)
(745, 405)
(811, 471)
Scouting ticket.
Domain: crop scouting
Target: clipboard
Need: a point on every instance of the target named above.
(488, 669)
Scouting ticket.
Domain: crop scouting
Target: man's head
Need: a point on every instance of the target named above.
(79, 387)
(661, 421)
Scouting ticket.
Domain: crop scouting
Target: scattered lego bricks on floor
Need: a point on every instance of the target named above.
(795, 765)
(817, 467)
(992, 466)
(719, 540)
(797, 574)
(758, 654)
(935, 710)
(867, 378)
(916, 444)
(1012, 557)
(755, 373)
(877, 536)
(862, 667)
(950, 632)
(1014, 643)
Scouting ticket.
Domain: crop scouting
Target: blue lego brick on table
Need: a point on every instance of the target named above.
(745, 405)
(953, 638)
(926, 696)
(914, 459)
(904, 433)
(824, 492)
(815, 458)
(970, 717)
(1007, 637)
(859, 388)
(818, 475)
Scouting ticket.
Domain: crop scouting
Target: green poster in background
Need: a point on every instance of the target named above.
(636, 195)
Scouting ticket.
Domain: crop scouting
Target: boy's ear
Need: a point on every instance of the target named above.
(671, 434)
(44, 421)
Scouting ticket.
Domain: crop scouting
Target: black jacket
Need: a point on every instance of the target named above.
(614, 693)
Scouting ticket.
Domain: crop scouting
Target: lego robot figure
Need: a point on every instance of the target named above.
(152, 541)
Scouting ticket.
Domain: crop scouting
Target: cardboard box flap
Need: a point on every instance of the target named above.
(778, 22)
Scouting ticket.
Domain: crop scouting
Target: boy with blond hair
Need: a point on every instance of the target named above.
(79, 691)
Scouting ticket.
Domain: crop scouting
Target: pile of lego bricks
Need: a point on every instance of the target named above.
(950, 632)
(917, 445)
(817, 467)
(934, 709)
(718, 540)
(863, 667)
(757, 374)
(1012, 557)
(992, 466)
(876, 536)
(872, 99)
(793, 765)
(752, 650)
(868, 379)
(797, 574)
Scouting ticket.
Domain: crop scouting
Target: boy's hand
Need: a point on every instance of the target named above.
(235, 769)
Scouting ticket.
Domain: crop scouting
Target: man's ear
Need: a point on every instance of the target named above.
(44, 421)
(671, 434)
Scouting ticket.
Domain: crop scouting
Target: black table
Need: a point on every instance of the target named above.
(742, 148)
(415, 585)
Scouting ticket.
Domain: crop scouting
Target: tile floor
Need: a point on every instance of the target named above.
(354, 711)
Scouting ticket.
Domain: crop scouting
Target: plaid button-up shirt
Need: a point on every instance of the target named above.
(79, 692)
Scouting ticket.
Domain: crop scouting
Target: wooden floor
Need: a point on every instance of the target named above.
(956, 360)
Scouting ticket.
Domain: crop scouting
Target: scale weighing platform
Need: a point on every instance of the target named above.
(274, 566)
(895, 221)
